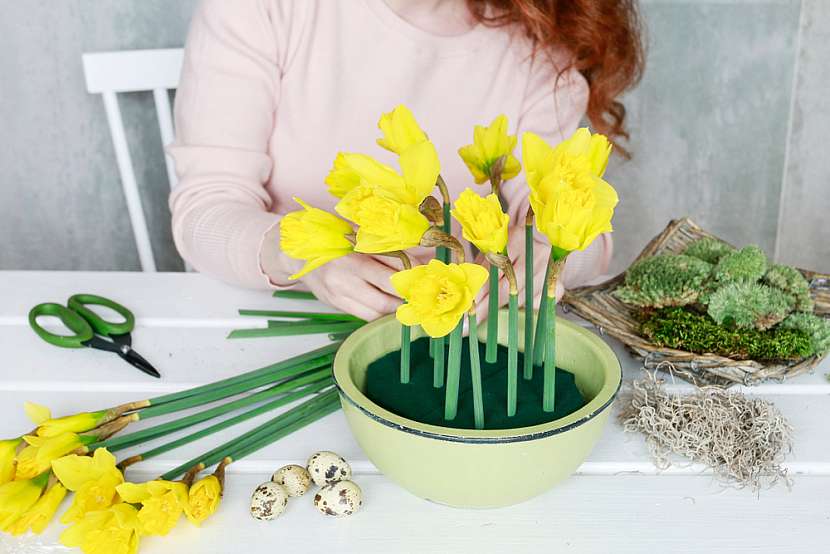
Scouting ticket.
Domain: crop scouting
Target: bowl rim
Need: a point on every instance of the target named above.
(603, 399)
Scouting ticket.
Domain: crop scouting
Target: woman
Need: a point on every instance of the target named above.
(271, 90)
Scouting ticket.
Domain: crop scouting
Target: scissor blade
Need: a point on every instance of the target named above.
(138, 361)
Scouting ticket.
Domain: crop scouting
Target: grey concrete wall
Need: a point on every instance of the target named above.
(727, 126)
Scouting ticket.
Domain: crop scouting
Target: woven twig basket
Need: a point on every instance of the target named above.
(597, 305)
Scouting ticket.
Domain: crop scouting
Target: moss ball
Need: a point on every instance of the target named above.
(749, 305)
(747, 265)
(708, 249)
(817, 328)
(664, 280)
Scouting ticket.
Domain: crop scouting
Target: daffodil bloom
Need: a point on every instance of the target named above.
(489, 145)
(53, 447)
(482, 220)
(315, 236)
(350, 170)
(8, 449)
(111, 531)
(400, 130)
(37, 517)
(28, 465)
(203, 499)
(574, 216)
(94, 480)
(384, 223)
(162, 503)
(437, 294)
(579, 154)
(18, 496)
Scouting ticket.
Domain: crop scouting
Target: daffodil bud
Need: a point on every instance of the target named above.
(490, 157)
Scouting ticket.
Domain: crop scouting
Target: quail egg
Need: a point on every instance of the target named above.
(268, 501)
(327, 467)
(340, 498)
(295, 479)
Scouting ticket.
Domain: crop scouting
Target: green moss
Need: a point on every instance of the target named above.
(791, 281)
(664, 280)
(749, 305)
(747, 265)
(708, 249)
(817, 328)
(684, 329)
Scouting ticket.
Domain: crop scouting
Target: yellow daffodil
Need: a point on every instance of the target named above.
(437, 294)
(18, 496)
(28, 465)
(162, 504)
(489, 145)
(111, 531)
(581, 153)
(482, 221)
(203, 499)
(94, 480)
(400, 130)
(38, 516)
(37, 412)
(315, 236)
(384, 223)
(8, 450)
(350, 170)
(574, 216)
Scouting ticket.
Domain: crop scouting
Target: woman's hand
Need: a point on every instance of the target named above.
(356, 284)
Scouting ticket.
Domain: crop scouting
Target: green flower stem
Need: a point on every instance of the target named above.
(323, 316)
(431, 347)
(230, 422)
(294, 294)
(125, 441)
(453, 373)
(295, 329)
(406, 345)
(286, 430)
(268, 429)
(528, 327)
(438, 363)
(475, 372)
(538, 342)
(512, 354)
(276, 369)
(491, 352)
(244, 386)
(549, 386)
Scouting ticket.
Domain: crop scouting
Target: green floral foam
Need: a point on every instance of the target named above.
(420, 401)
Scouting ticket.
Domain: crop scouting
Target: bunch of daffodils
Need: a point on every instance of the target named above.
(75, 455)
(388, 210)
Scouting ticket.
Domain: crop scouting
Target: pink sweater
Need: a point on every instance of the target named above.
(271, 90)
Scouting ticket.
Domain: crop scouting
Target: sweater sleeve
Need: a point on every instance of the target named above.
(553, 107)
(225, 106)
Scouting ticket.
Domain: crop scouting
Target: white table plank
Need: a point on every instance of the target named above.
(621, 514)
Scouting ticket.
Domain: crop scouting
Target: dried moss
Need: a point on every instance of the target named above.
(817, 328)
(791, 281)
(708, 249)
(747, 265)
(684, 329)
(664, 280)
(749, 305)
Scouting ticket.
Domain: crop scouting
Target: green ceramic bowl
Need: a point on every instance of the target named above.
(477, 468)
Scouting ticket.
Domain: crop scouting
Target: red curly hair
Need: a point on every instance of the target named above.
(603, 38)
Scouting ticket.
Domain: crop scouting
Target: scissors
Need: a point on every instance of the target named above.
(89, 328)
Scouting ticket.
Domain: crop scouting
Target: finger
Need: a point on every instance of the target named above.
(372, 298)
(379, 275)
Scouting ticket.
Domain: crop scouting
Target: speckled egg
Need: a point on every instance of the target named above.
(327, 467)
(341, 498)
(268, 501)
(295, 479)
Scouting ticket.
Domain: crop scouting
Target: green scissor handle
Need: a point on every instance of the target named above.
(73, 321)
(79, 302)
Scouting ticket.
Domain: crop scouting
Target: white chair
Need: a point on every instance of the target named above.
(109, 73)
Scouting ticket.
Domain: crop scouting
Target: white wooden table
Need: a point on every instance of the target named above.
(617, 502)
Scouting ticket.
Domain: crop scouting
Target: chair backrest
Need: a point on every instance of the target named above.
(107, 74)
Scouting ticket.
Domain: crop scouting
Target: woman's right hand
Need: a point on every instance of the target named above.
(356, 284)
